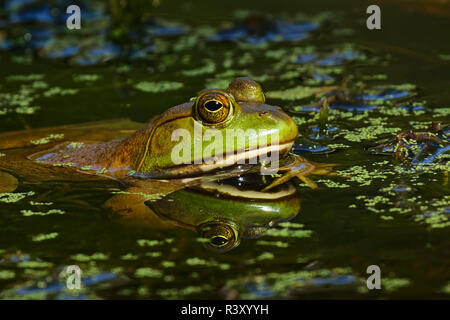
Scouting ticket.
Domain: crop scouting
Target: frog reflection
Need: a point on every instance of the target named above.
(225, 212)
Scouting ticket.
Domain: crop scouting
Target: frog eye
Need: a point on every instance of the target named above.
(219, 236)
(213, 107)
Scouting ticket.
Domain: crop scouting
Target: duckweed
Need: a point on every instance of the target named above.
(86, 77)
(167, 264)
(7, 274)
(34, 264)
(288, 233)
(14, 197)
(265, 256)
(296, 93)
(152, 243)
(33, 203)
(206, 263)
(47, 139)
(279, 244)
(25, 78)
(45, 236)
(148, 272)
(208, 68)
(394, 284)
(29, 213)
(94, 257)
(156, 87)
(59, 91)
(129, 256)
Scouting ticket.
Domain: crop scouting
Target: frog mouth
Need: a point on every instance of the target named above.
(249, 155)
(244, 160)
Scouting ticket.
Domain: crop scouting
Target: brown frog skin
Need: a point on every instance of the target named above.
(138, 158)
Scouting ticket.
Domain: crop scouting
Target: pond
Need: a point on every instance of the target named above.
(139, 60)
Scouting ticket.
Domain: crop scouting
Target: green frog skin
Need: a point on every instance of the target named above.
(224, 214)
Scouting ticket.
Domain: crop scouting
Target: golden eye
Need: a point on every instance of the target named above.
(223, 236)
(213, 107)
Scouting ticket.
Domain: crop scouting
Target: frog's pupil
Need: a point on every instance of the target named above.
(213, 106)
(219, 241)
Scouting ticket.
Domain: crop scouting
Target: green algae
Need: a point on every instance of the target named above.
(206, 263)
(337, 145)
(278, 244)
(394, 284)
(98, 256)
(179, 293)
(208, 68)
(25, 77)
(21, 100)
(30, 213)
(442, 112)
(436, 220)
(123, 68)
(148, 272)
(168, 264)
(39, 85)
(15, 197)
(153, 243)
(22, 59)
(265, 256)
(55, 91)
(446, 289)
(33, 203)
(367, 133)
(332, 184)
(27, 110)
(282, 283)
(129, 256)
(48, 138)
(7, 274)
(296, 93)
(289, 224)
(362, 175)
(288, 233)
(45, 236)
(34, 264)
(157, 87)
(86, 77)
(154, 254)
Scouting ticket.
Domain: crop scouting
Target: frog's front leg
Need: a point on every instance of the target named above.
(299, 167)
(8, 183)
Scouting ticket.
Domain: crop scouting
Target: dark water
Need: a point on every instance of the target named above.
(383, 214)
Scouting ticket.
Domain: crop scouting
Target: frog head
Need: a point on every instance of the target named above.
(225, 213)
(216, 129)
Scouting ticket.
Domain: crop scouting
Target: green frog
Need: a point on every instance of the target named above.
(210, 209)
(142, 158)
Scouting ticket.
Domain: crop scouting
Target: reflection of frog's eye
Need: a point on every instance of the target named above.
(213, 107)
(219, 241)
(219, 236)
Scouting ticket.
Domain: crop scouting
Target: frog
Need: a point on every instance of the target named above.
(210, 209)
(140, 158)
